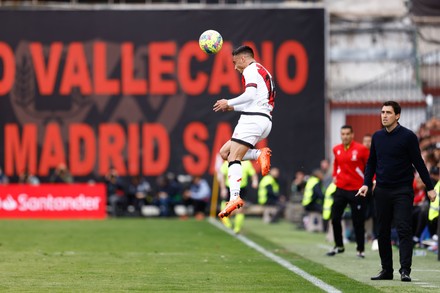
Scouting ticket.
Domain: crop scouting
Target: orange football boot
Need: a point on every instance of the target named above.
(231, 206)
(264, 160)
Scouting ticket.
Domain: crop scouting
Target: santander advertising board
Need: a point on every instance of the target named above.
(53, 201)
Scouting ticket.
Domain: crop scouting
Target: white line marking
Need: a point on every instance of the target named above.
(315, 281)
(425, 285)
(326, 247)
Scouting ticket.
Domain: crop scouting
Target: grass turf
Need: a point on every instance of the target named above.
(313, 246)
(160, 255)
(144, 255)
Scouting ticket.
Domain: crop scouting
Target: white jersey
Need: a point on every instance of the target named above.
(255, 75)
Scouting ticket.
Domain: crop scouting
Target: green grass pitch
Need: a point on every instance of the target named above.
(165, 255)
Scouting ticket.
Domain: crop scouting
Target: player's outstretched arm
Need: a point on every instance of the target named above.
(222, 105)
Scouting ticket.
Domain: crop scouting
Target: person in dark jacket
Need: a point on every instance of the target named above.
(393, 156)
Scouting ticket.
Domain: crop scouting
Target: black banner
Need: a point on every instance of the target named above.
(132, 89)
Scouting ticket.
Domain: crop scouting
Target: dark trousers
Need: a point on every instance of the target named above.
(395, 204)
(341, 198)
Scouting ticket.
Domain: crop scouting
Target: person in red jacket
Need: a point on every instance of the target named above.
(350, 159)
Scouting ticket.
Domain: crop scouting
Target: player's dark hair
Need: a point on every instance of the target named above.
(347, 127)
(243, 50)
(396, 107)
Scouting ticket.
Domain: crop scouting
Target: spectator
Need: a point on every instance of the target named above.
(61, 175)
(298, 185)
(326, 172)
(366, 140)
(28, 178)
(116, 198)
(174, 191)
(137, 192)
(436, 154)
(169, 194)
(198, 194)
(3, 178)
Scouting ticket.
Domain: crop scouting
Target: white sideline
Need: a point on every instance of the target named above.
(315, 281)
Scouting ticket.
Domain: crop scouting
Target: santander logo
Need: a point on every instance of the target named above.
(8, 204)
(25, 202)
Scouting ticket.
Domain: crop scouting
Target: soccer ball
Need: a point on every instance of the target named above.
(210, 42)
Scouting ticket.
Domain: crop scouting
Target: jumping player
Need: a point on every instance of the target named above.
(255, 123)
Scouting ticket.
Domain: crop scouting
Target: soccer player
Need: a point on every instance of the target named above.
(394, 154)
(255, 123)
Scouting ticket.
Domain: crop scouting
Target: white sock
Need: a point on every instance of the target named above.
(251, 154)
(234, 175)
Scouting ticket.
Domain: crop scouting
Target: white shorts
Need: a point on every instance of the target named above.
(251, 129)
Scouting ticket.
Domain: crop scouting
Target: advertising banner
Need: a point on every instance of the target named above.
(53, 201)
(132, 89)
